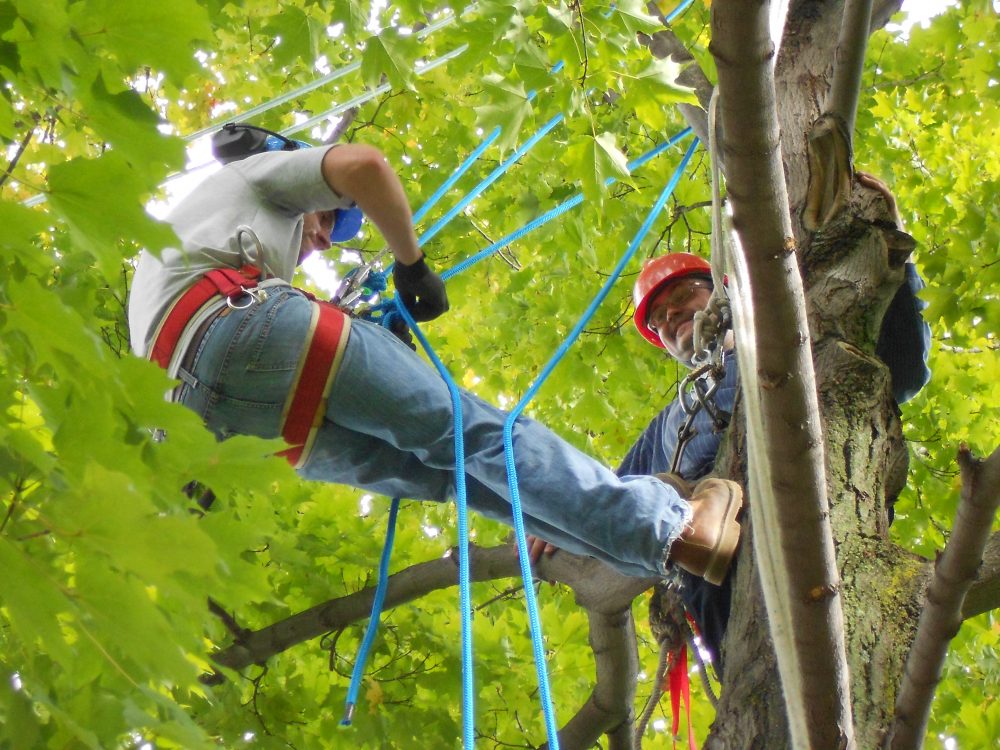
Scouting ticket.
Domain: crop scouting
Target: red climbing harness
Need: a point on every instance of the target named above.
(225, 282)
(322, 352)
(306, 405)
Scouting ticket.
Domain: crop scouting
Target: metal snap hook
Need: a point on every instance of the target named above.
(251, 256)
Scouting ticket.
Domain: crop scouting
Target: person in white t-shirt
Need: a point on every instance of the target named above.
(379, 417)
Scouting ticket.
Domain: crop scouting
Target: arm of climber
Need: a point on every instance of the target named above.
(360, 172)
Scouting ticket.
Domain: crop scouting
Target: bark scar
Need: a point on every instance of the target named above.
(824, 591)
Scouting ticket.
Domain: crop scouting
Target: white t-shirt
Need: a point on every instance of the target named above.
(268, 193)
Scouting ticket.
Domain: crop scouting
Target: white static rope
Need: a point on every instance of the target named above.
(330, 77)
(713, 323)
(419, 69)
(771, 560)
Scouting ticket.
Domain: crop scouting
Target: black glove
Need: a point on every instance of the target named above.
(399, 329)
(420, 289)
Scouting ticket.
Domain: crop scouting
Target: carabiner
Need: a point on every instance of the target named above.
(255, 296)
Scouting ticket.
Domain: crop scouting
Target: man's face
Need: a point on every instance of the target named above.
(671, 314)
(316, 228)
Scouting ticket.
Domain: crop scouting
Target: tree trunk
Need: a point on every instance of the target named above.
(850, 275)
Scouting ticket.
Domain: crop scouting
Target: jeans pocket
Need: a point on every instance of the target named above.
(274, 349)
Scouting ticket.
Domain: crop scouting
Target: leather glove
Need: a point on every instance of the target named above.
(420, 289)
(399, 329)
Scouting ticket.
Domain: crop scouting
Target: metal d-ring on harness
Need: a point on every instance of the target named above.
(251, 257)
(697, 392)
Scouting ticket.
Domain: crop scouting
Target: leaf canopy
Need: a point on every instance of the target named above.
(106, 569)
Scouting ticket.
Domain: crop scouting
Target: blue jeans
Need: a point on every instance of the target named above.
(389, 429)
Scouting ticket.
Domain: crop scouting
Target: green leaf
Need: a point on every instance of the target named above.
(353, 14)
(45, 44)
(163, 35)
(507, 109)
(21, 229)
(593, 161)
(100, 200)
(299, 34)
(19, 722)
(34, 602)
(390, 54)
(8, 131)
(658, 81)
(109, 514)
(633, 16)
(125, 121)
(126, 626)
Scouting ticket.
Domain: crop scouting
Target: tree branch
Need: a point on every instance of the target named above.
(850, 62)
(17, 155)
(941, 617)
(985, 592)
(882, 11)
(346, 121)
(606, 595)
(666, 45)
(791, 527)
(609, 707)
(258, 646)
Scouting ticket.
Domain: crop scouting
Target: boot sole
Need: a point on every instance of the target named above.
(725, 548)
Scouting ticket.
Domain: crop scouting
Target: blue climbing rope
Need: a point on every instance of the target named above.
(508, 444)
(489, 180)
(462, 514)
(559, 210)
(366, 643)
(677, 11)
(464, 167)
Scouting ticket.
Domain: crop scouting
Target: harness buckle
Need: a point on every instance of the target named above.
(256, 296)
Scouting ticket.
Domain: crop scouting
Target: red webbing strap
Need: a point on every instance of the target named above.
(680, 687)
(227, 282)
(306, 404)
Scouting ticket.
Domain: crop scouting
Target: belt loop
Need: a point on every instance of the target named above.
(188, 378)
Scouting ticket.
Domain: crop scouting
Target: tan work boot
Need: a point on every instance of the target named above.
(706, 547)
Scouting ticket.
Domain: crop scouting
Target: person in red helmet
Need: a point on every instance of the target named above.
(670, 290)
(668, 293)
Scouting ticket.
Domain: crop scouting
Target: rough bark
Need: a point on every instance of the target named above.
(849, 278)
(985, 592)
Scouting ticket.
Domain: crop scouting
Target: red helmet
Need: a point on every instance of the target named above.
(656, 274)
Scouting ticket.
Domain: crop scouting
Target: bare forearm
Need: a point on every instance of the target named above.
(360, 173)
